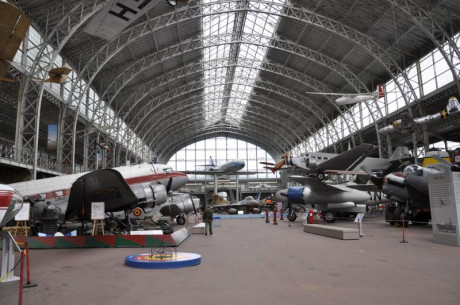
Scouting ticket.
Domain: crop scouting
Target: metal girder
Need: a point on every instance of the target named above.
(175, 111)
(137, 91)
(223, 39)
(214, 130)
(287, 136)
(29, 109)
(143, 115)
(108, 51)
(431, 29)
(257, 129)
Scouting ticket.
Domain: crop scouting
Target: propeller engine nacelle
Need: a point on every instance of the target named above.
(151, 194)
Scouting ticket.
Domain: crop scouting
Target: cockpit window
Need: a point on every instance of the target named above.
(414, 169)
(167, 170)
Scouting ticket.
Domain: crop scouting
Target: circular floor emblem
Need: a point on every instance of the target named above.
(163, 260)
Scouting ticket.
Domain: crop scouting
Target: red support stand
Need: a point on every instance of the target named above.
(310, 218)
(21, 278)
(274, 217)
(29, 284)
(266, 216)
(281, 216)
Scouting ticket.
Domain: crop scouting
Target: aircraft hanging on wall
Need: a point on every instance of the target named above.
(13, 28)
(353, 98)
(319, 164)
(407, 124)
(121, 188)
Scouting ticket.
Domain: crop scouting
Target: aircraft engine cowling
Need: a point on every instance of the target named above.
(151, 194)
(295, 194)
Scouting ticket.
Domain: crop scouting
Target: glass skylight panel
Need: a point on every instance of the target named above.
(213, 25)
(256, 23)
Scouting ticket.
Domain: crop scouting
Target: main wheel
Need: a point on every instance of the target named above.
(399, 215)
(329, 217)
(320, 176)
(180, 220)
(292, 216)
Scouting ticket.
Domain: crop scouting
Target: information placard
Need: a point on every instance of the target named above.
(97, 210)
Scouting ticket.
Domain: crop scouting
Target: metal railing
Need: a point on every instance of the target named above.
(12, 154)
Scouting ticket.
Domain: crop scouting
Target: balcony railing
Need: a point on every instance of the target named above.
(12, 154)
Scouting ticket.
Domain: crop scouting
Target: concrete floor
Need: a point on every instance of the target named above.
(247, 261)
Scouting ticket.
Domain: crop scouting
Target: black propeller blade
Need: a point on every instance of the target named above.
(168, 186)
(374, 178)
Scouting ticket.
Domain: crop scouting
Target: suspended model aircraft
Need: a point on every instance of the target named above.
(410, 189)
(353, 98)
(318, 164)
(325, 197)
(13, 27)
(231, 167)
(407, 124)
(121, 188)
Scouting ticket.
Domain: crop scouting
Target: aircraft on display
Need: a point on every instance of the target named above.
(318, 164)
(177, 205)
(121, 188)
(407, 124)
(231, 167)
(353, 98)
(10, 204)
(325, 197)
(410, 189)
(13, 28)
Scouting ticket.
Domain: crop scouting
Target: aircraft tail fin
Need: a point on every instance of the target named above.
(400, 153)
(211, 162)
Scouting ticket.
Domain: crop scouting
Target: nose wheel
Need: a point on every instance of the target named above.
(291, 216)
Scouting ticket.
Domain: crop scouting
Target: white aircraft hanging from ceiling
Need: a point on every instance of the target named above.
(407, 124)
(353, 98)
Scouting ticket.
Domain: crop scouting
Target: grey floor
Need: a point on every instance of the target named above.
(247, 261)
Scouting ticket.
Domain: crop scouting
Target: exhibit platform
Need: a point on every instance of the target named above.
(106, 241)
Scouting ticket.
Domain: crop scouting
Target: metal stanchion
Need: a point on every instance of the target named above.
(266, 216)
(21, 278)
(274, 217)
(281, 216)
(404, 229)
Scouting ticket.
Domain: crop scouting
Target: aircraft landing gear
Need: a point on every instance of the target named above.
(180, 219)
(292, 216)
(399, 215)
(329, 216)
(320, 176)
